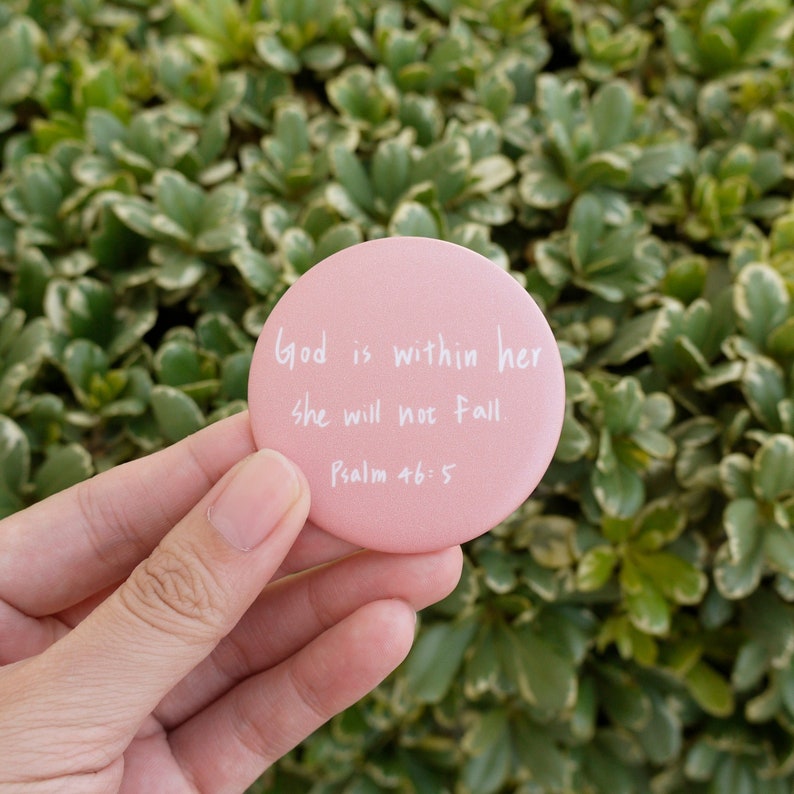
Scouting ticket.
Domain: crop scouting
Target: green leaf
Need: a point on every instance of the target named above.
(632, 338)
(744, 526)
(545, 677)
(136, 214)
(611, 114)
(647, 608)
(20, 41)
(273, 52)
(662, 736)
(660, 163)
(585, 711)
(761, 301)
(544, 189)
(773, 468)
(257, 270)
(736, 579)
(770, 621)
(586, 223)
(359, 94)
(41, 186)
(779, 549)
(221, 208)
(491, 173)
(551, 540)
(617, 529)
(33, 273)
(218, 333)
(176, 414)
(574, 440)
(595, 568)
(764, 389)
(412, 219)
(660, 523)
(352, 175)
(133, 321)
(490, 754)
(324, 57)
(297, 248)
(337, 238)
(177, 270)
(436, 658)
(63, 467)
(679, 580)
(710, 690)
(14, 464)
(702, 759)
(179, 199)
(542, 760)
(234, 376)
(83, 308)
(498, 570)
(554, 100)
(623, 407)
(620, 491)
(608, 771)
(446, 164)
(624, 700)
(7, 119)
(104, 128)
(607, 169)
(781, 340)
(482, 668)
(12, 380)
(391, 170)
(686, 278)
(422, 114)
(736, 476)
(178, 363)
(751, 665)
(82, 360)
(221, 239)
(31, 345)
(656, 444)
(739, 563)
(658, 411)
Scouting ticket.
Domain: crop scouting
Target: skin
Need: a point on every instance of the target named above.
(140, 651)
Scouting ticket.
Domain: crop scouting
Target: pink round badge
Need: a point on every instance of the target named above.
(417, 385)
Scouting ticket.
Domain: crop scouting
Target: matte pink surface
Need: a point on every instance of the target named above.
(418, 387)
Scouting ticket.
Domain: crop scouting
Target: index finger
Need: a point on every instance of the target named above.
(64, 549)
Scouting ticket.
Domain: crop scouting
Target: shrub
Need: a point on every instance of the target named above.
(171, 166)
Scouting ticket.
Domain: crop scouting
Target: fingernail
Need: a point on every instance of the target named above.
(260, 493)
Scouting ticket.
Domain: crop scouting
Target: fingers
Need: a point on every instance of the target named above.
(294, 611)
(22, 636)
(171, 612)
(225, 747)
(314, 546)
(95, 533)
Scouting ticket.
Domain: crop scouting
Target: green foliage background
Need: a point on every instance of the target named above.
(171, 166)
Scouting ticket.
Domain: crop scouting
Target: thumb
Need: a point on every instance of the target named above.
(116, 666)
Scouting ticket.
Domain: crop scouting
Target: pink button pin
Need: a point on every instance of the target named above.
(417, 385)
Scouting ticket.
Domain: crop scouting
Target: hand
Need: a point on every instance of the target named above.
(141, 650)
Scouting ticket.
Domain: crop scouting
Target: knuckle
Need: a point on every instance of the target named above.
(177, 594)
(310, 693)
(106, 525)
(320, 605)
(232, 659)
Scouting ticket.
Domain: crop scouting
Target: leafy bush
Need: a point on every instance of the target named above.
(171, 166)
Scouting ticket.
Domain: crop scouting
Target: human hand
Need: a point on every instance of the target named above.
(141, 651)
